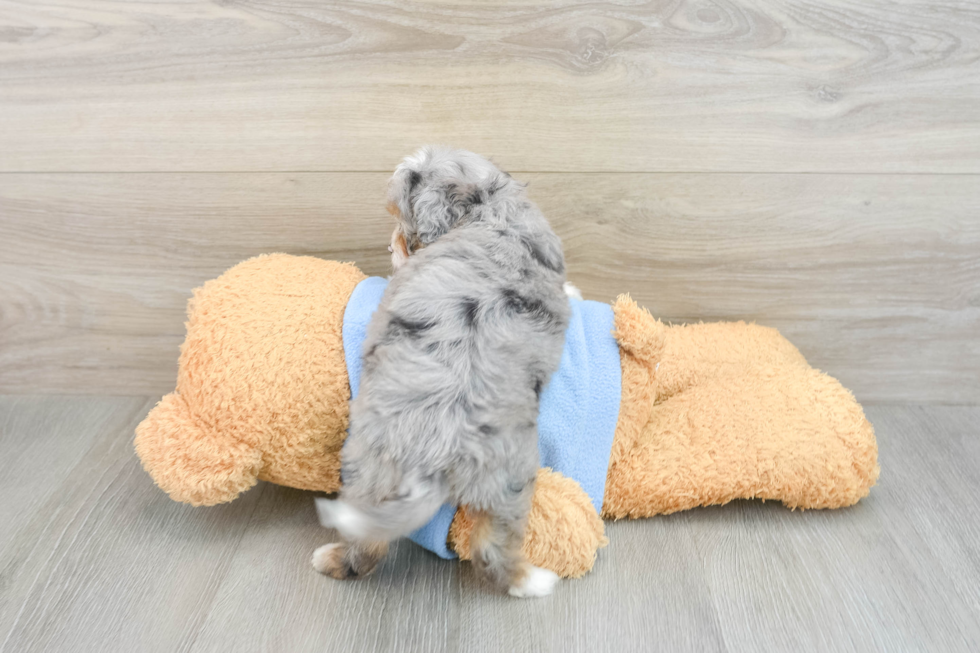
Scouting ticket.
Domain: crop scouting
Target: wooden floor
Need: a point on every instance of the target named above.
(93, 557)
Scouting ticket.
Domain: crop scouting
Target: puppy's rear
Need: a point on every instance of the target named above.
(468, 333)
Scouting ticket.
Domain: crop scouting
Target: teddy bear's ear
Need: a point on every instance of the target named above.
(193, 463)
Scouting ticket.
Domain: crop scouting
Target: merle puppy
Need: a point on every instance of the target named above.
(468, 332)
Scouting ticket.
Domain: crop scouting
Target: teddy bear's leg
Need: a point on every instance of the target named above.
(790, 435)
(716, 412)
(191, 461)
(349, 560)
(694, 353)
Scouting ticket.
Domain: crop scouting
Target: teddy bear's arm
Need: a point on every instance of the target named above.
(564, 531)
(191, 462)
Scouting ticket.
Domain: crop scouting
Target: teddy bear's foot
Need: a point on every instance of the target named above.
(348, 561)
(536, 582)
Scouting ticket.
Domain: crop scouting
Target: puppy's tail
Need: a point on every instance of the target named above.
(387, 520)
(351, 522)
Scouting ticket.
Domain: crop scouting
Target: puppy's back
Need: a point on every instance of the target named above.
(466, 337)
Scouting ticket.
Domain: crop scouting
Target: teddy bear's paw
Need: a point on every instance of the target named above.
(536, 582)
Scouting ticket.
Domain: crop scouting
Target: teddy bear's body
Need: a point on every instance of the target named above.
(708, 413)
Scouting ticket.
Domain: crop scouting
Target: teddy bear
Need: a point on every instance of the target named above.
(641, 419)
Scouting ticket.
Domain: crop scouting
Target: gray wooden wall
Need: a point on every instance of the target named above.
(809, 166)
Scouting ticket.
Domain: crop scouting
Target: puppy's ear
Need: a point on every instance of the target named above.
(398, 248)
(401, 187)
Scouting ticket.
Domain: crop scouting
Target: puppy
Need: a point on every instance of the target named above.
(469, 330)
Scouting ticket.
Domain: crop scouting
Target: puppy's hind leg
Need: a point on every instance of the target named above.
(366, 530)
(358, 518)
(496, 546)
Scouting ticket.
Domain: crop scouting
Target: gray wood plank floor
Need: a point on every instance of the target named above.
(94, 558)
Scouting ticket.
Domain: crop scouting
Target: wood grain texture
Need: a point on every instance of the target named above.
(876, 278)
(277, 85)
(99, 549)
(108, 562)
(41, 447)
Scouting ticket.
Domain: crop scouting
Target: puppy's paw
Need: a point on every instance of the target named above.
(329, 559)
(536, 582)
(572, 291)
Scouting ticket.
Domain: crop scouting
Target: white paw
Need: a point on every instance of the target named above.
(321, 557)
(572, 291)
(537, 582)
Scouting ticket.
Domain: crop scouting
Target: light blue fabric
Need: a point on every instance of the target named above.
(579, 406)
(361, 306)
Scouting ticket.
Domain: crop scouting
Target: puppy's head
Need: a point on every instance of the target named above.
(434, 191)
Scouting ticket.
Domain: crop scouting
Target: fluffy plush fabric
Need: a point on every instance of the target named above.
(715, 412)
(262, 386)
(709, 413)
(564, 532)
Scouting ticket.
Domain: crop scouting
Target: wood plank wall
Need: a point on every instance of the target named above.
(812, 166)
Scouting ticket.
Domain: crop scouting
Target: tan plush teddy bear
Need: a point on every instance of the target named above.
(707, 413)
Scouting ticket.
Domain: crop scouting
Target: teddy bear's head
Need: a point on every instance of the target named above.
(262, 389)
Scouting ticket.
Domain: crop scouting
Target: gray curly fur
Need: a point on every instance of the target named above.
(467, 334)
